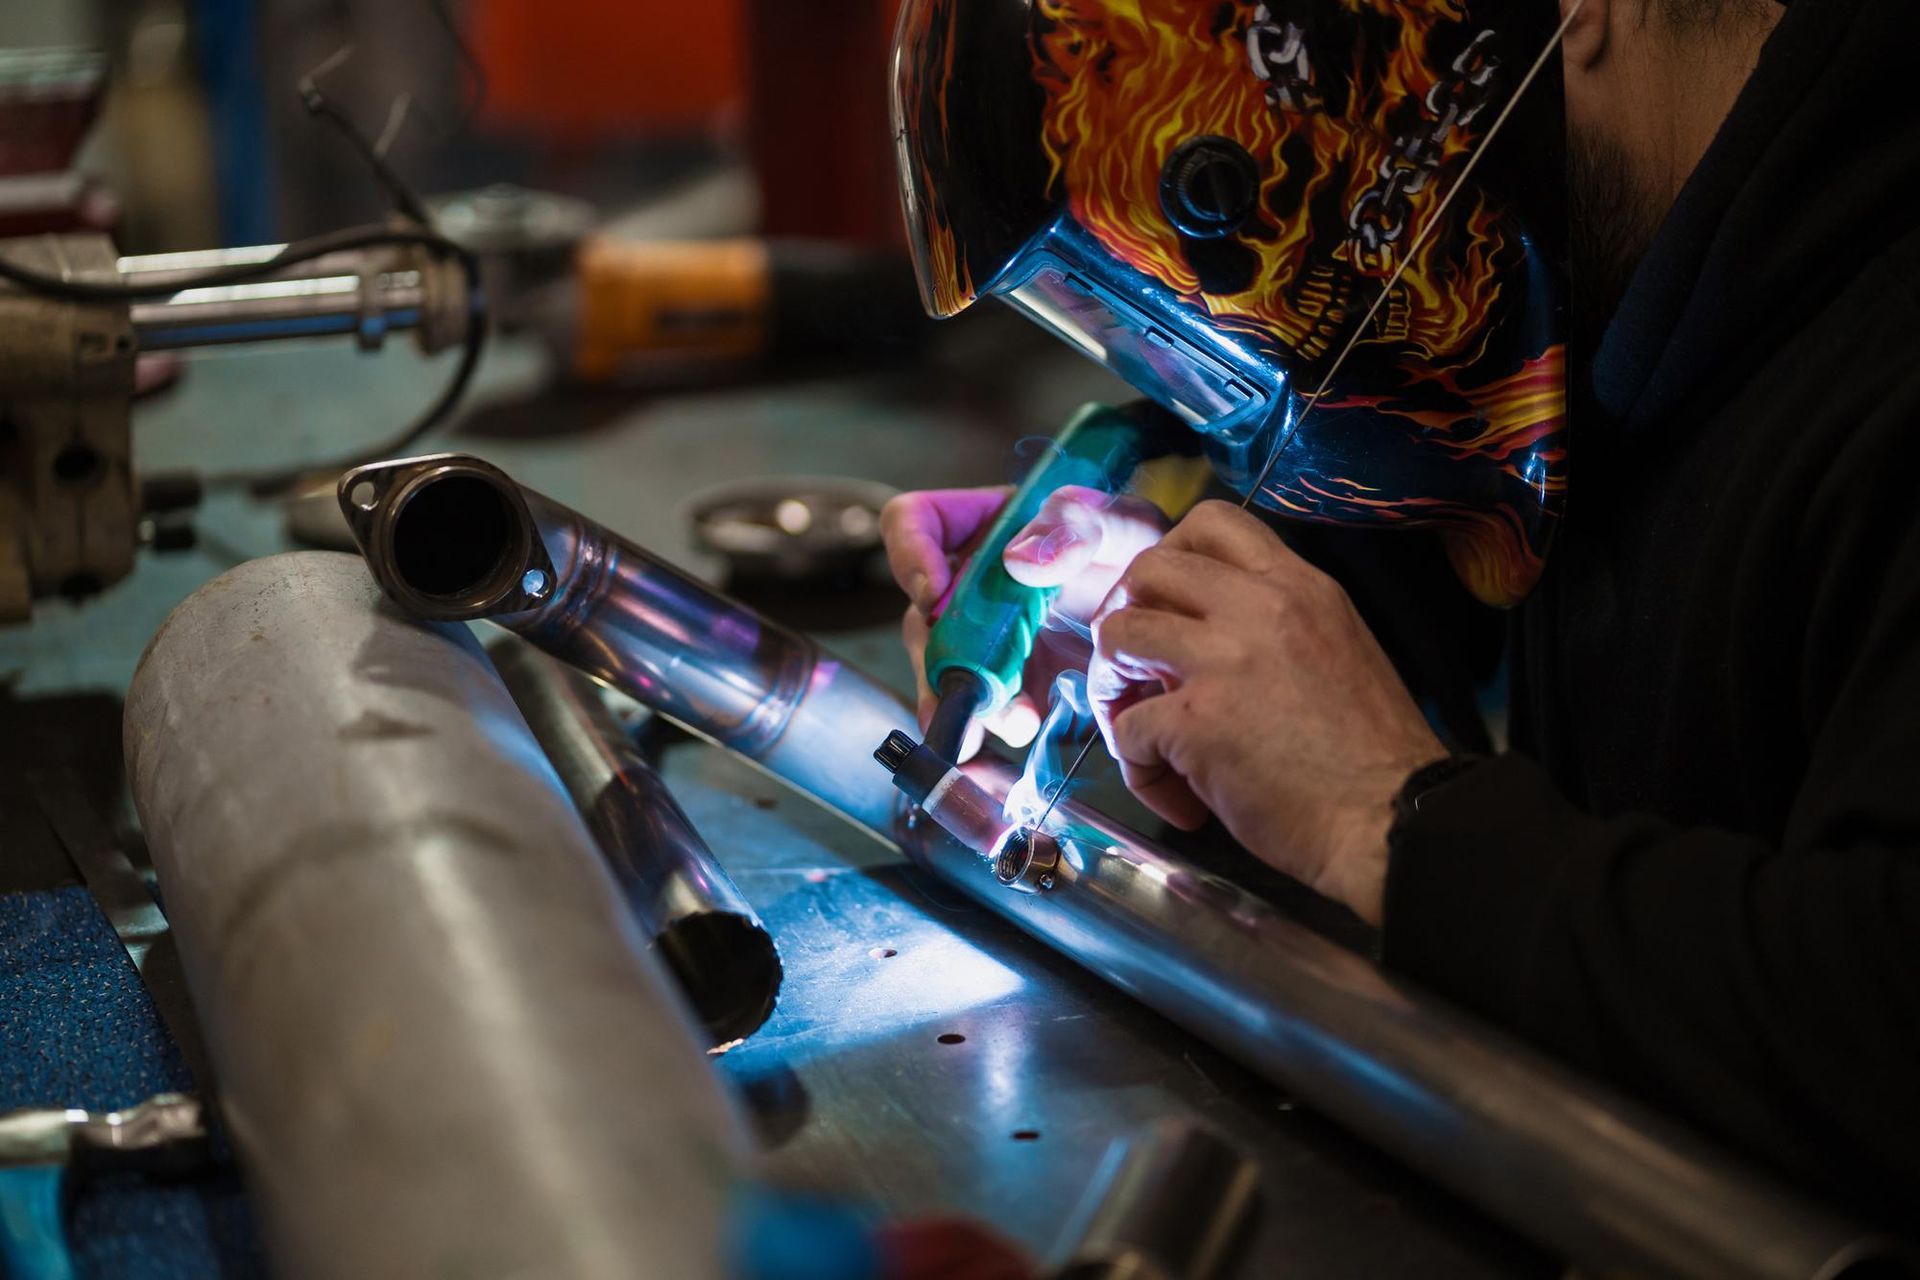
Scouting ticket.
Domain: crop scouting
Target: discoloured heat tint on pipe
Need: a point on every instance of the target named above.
(1601, 1181)
(701, 927)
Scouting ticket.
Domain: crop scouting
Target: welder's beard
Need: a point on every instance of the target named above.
(1611, 221)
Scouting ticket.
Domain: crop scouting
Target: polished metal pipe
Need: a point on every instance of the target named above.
(367, 293)
(441, 1047)
(273, 310)
(452, 538)
(153, 269)
(1175, 1202)
(702, 928)
(1598, 1179)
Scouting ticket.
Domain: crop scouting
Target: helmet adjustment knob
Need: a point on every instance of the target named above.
(1209, 187)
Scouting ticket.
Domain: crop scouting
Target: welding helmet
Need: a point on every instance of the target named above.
(1225, 201)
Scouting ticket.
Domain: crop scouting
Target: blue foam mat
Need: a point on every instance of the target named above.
(77, 1029)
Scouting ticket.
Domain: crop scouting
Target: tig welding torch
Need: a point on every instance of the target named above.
(985, 629)
(1022, 856)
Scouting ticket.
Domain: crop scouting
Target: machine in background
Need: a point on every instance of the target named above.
(72, 505)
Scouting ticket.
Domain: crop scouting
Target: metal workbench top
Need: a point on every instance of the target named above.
(925, 1058)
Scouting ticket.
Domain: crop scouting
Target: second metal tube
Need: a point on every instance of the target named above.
(699, 924)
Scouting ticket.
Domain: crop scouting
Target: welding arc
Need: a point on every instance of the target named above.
(1353, 339)
(1406, 260)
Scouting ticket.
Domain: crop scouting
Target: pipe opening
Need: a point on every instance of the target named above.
(727, 967)
(453, 537)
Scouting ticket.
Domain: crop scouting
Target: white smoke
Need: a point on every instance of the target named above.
(1068, 724)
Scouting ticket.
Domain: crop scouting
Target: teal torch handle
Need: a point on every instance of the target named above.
(990, 622)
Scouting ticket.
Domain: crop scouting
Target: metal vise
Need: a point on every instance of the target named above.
(70, 505)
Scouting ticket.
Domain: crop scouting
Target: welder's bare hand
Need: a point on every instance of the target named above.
(1080, 541)
(1232, 677)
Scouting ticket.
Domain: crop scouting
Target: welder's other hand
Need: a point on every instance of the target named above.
(1232, 677)
(1080, 541)
(928, 534)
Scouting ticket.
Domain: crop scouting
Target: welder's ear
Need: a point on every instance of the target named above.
(1586, 40)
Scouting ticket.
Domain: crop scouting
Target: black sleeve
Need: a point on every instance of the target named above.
(1443, 643)
(1769, 993)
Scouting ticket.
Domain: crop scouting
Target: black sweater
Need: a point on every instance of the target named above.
(1699, 877)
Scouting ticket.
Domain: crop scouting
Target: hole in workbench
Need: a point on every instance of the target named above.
(1026, 1135)
(883, 953)
(765, 802)
(952, 1037)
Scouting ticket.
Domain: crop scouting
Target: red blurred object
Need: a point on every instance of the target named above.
(48, 101)
(812, 75)
(34, 204)
(818, 124)
(594, 69)
(949, 1249)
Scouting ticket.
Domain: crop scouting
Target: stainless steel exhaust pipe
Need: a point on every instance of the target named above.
(1605, 1183)
(440, 1046)
(701, 927)
(453, 538)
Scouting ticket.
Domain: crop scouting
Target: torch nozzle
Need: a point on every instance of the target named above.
(962, 807)
(894, 753)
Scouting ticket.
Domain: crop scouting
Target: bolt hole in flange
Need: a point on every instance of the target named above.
(363, 495)
(78, 464)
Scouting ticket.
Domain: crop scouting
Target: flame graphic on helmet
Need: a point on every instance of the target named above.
(1516, 425)
(1128, 80)
(1360, 128)
(927, 34)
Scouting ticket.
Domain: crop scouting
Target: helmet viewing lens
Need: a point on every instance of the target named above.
(1149, 353)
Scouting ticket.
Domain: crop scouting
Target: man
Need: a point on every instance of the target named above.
(1698, 872)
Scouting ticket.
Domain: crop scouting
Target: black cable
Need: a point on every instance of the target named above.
(477, 86)
(271, 482)
(403, 196)
(408, 203)
(298, 252)
(420, 235)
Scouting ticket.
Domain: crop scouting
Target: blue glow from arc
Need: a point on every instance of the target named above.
(933, 979)
(946, 975)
